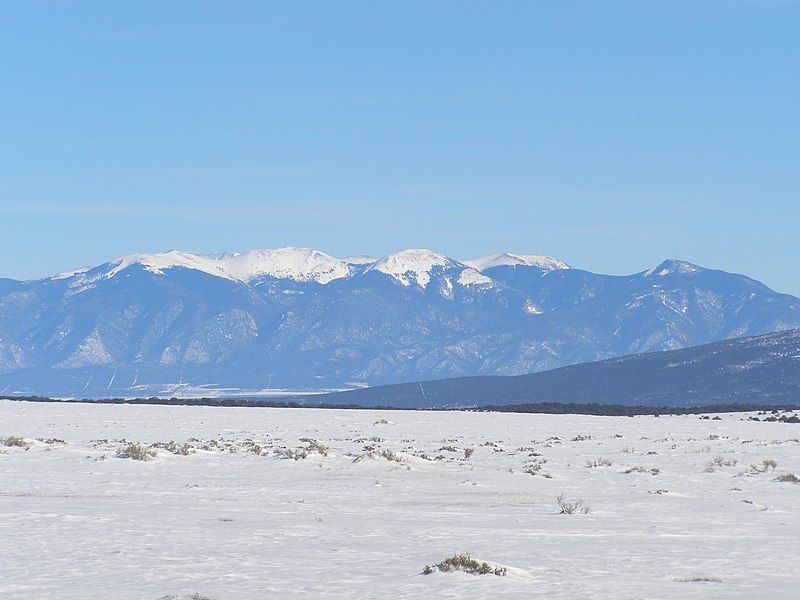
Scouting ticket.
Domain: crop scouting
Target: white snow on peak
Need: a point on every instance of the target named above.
(298, 264)
(360, 259)
(412, 266)
(156, 263)
(68, 274)
(472, 276)
(671, 266)
(546, 263)
(409, 267)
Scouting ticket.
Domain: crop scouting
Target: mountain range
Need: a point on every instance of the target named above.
(297, 318)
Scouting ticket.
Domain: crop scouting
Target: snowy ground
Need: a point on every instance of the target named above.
(233, 519)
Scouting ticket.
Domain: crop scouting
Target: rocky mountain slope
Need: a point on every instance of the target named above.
(756, 370)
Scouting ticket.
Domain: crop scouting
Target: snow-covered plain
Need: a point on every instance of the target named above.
(233, 519)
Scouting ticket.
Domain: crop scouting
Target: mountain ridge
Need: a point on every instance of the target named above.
(288, 263)
(297, 318)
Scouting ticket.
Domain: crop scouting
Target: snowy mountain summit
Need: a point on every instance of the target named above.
(546, 263)
(298, 264)
(408, 267)
(414, 266)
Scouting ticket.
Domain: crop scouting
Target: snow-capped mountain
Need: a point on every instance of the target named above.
(300, 318)
(500, 259)
(297, 264)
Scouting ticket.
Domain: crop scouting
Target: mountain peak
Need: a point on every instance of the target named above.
(298, 264)
(157, 263)
(413, 265)
(497, 259)
(672, 266)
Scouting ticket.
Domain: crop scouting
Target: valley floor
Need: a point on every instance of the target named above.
(253, 503)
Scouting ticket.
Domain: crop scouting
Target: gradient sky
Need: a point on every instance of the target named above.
(609, 134)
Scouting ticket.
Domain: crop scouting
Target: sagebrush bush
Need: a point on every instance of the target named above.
(315, 447)
(766, 465)
(389, 455)
(293, 453)
(183, 449)
(534, 467)
(638, 469)
(312, 447)
(702, 579)
(720, 461)
(464, 562)
(569, 507)
(13, 441)
(136, 452)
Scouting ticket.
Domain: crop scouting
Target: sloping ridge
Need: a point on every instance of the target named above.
(761, 370)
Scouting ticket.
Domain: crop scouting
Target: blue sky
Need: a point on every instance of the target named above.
(609, 134)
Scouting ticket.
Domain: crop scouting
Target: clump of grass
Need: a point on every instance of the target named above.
(766, 465)
(136, 452)
(293, 453)
(788, 478)
(570, 507)
(382, 422)
(720, 461)
(316, 447)
(312, 447)
(183, 449)
(701, 579)
(637, 469)
(13, 441)
(599, 462)
(534, 467)
(372, 454)
(464, 562)
(389, 455)
(468, 452)
(253, 447)
(50, 441)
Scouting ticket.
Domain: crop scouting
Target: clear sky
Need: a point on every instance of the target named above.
(609, 134)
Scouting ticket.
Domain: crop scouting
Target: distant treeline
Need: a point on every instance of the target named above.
(550, 408)
(193, 402)
(620, 410)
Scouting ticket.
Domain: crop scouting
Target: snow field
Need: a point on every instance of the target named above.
(298, 503)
